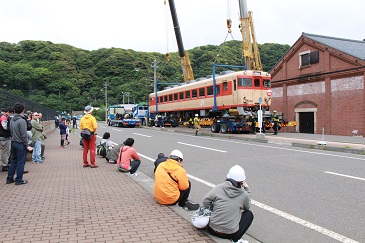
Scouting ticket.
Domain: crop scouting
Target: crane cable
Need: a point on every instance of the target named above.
(229, 24)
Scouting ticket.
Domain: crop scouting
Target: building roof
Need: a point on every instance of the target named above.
(352, 47)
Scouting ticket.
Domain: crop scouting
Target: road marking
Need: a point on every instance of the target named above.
(202, 147)
(116, 129)
(142, 135)
(353, 177)
(267, 146)
(290, 217)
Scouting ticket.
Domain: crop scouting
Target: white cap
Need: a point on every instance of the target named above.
(177, 153)
(236, 173)
(274, 111)
(196, 115)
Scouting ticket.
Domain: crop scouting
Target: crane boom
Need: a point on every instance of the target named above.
(250, 47)
(184, 56)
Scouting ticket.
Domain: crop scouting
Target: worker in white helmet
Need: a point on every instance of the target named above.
(230, 202)
(171, 183)
(196, 124)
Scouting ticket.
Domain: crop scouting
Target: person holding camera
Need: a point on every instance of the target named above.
(230, 202)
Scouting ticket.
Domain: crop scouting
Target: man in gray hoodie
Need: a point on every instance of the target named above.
(230, 203)
(19, 146)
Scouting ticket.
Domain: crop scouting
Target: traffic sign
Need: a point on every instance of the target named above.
(260, 100)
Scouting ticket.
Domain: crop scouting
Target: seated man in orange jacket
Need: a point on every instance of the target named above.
(171, 183)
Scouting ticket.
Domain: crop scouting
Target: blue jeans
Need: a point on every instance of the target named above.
(19, 156)
(36, 155)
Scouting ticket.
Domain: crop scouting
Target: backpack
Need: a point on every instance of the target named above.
(101, 149)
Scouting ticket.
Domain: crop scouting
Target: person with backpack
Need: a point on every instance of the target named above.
(105, 145)
(128, 159)
(5, 138)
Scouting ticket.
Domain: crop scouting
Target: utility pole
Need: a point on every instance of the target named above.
(154, 66)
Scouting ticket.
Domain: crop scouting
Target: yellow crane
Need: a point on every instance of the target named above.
(250, 51)
(184, 56)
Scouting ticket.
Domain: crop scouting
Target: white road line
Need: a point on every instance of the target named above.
(142, 135)
(353, 177)
(119, 130)
(290, 217)
(222, 151)
(267, 146)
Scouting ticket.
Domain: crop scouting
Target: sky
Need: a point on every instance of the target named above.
(146, 25)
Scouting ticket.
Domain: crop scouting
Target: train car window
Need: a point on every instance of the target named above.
(210, 90)
(267, 83)
(234, 85)
(217, 89)
(194, 93)
(225, 86)
(170, 97)
(175, 96)
(181, 95)
(165, 98)
(187, 94)
(256, 82)
(161, 99)
(244, 82)
(201, 92)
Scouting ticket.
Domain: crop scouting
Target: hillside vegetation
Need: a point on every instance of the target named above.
(67, 78)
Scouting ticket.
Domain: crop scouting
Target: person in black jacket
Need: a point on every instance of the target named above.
(5, 138)
(160, 158)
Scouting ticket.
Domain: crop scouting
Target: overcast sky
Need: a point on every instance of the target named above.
(142, 25)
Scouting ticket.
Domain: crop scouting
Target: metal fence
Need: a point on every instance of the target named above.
(9, 99)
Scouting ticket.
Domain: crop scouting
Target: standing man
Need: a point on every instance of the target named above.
(19, 146)
(88, 121)
(5, 138)
(276, 123)
(37, 138)
(74, 122)
(171, 183)
(196, 124)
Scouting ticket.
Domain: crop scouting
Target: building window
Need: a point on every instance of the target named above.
(307, 58)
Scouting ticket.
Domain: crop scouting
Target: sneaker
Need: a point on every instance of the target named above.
(191, 206)
(94, 166)
(21, 182)
(5, 168)
(35, 162)
(86, 165)
(240, 241)
(9, 181)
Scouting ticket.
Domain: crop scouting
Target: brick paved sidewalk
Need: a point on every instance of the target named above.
(64, 202)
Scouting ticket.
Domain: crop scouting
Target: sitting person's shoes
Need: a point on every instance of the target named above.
(25, 172)
(191, 206)
(9, 181)
(5, 168)
(94, 166)
(22, 182)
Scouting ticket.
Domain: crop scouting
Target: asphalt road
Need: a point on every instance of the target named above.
(299, 195)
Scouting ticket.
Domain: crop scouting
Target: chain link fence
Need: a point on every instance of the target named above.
(9, 99)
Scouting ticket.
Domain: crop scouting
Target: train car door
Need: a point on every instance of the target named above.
(306, 122)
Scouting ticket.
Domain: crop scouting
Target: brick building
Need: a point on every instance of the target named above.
(319, 83)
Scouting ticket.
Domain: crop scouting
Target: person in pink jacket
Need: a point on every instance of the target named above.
(128, 159)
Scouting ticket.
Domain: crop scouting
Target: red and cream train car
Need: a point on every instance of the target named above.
(241, 90)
